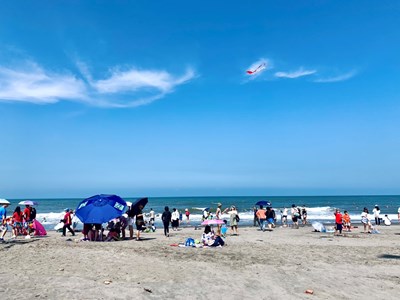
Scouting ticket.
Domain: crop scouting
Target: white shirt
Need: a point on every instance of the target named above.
(376, 212)
(175, 215)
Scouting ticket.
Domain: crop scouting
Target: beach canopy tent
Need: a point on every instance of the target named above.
(134, 207)
(213, 222)
(4, 201)
(263, 203)
(100, 209)
(28, 202)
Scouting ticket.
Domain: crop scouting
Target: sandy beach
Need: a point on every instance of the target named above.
(267, 265)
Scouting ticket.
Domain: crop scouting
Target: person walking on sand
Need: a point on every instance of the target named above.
(166, 219)
(17, 219)
(67, 223)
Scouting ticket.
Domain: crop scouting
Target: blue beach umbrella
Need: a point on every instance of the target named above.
(100, 209)
(263, 203)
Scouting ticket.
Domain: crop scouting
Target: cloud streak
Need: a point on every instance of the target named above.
(337, 78)
(122, 88)
(295, 74)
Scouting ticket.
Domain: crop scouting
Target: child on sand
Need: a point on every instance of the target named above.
(347, 221)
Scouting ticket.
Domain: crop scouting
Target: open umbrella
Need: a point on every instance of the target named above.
(213, 222)
(263, 203)
(135, 205)
(4, 201)
(28, 202)
(100, 209)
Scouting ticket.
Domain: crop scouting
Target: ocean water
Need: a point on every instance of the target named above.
(319, 208)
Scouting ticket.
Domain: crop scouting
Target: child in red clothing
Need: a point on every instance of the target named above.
(339, 222)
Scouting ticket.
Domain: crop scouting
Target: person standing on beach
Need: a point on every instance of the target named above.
(365, 219)
(175, 219)
(376, 211)
(166, 219)
(3, 222)
(339, 222)
(152, 217)
(17, 218)
(139, 222)
(233, 219)
(256, 220)
(187, 214)
(262, 217)
(284, 217)
(295, 215)
(398, 214)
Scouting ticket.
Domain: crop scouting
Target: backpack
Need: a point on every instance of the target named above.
(237, 218)
(33, 213)
(189, 242)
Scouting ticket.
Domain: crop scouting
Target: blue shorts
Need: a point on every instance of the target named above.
(270, 221)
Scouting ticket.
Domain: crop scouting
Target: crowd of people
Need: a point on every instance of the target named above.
(21, 222)
(264, 217)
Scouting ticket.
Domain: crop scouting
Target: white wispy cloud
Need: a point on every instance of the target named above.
(34, 84)
(295, 74)
(337, 78)
(128, 88)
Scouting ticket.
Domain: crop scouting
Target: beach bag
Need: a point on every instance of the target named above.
(189, 242)
(237, 218)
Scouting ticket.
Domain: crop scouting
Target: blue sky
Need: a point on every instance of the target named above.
(152, 98)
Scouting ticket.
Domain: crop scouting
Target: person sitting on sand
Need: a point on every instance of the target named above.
(346, 221)
(387, 221)
(365, 220)
(224, 228)
(208, 238)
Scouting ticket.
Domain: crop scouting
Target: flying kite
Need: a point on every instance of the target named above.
(257, 70)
